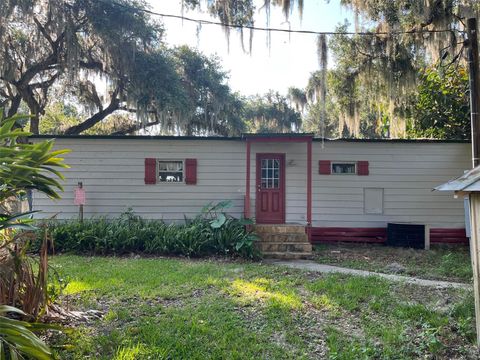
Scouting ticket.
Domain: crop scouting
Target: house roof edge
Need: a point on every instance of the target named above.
(241, 138)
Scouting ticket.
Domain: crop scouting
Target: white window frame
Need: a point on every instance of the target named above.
(170, 160)
(354, 163)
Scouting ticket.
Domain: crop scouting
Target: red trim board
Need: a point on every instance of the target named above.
(379, 235)
(309, 186)
(247, 183)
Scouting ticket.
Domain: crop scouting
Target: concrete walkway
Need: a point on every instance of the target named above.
(309, 265)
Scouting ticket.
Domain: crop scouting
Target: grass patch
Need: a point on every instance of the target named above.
(360, 291)
(182, 309)
(441, 263)
(344, 347)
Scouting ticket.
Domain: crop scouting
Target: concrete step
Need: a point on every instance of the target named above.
(265, 247)
(287, 255)
(286, 237)
(279, 229)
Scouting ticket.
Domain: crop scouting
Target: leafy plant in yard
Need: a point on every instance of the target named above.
(17, 338)
(463, 312)
(213, 231)
(229, 234)
(23, 167)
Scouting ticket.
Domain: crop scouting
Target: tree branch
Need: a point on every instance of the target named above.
(96, 118)
(40, 66)
(135, 127)
(35, 69)
(434, 7)
(91, 65)
(46, 83)
(133, 111)
(44, 32)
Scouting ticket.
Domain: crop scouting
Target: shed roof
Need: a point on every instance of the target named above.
(277, 135)
(470, 181)
(241, 138)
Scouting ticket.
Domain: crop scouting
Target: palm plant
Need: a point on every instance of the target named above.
(23, 167)
(17, 338)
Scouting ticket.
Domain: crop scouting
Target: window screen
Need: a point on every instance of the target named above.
(348, 168)
(170, 171)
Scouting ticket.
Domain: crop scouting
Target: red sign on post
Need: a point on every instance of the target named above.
(79, 196)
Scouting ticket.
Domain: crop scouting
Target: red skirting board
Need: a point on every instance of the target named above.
(448, 236)
(379, 235)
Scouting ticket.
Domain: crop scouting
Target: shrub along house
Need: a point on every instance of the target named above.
(296, 187)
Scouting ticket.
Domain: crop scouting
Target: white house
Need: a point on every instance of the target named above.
(344, 190)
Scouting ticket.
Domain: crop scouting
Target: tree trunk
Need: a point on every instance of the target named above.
(35, 108)
(14, 105)
(34, 122)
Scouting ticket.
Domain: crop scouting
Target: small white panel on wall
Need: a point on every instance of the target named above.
(373, 200)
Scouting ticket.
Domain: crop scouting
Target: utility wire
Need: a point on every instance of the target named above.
(248, 27)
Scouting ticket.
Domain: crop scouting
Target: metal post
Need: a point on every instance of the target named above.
(473, 65)
(309, 189)
(247, 182)
(474, 77)
(80, 209)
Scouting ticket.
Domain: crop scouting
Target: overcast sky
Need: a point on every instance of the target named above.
(290, 59)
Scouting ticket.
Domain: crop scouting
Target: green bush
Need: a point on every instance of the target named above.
(212, 232)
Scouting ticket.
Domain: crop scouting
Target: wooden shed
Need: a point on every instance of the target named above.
(468, 184)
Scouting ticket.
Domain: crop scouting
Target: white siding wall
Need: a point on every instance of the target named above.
(112, 171)
(406, 171)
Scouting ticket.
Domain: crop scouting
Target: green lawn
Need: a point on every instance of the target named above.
(183, 309)
(441, 263)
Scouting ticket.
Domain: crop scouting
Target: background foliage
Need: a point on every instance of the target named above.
(440, 109)
(107, 61)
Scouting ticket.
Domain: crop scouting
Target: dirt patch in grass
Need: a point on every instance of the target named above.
(440, 263)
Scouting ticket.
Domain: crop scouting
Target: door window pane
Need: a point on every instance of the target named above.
(270, 172)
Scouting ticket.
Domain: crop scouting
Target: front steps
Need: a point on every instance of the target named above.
(283, 241)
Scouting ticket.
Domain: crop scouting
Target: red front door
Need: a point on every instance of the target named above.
(270, 197)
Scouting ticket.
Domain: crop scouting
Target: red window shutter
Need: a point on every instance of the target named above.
(324, 167)
(190, 171)
(362, 168)
(150, 171)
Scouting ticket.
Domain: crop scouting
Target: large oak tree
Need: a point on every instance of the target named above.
(107, 56)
